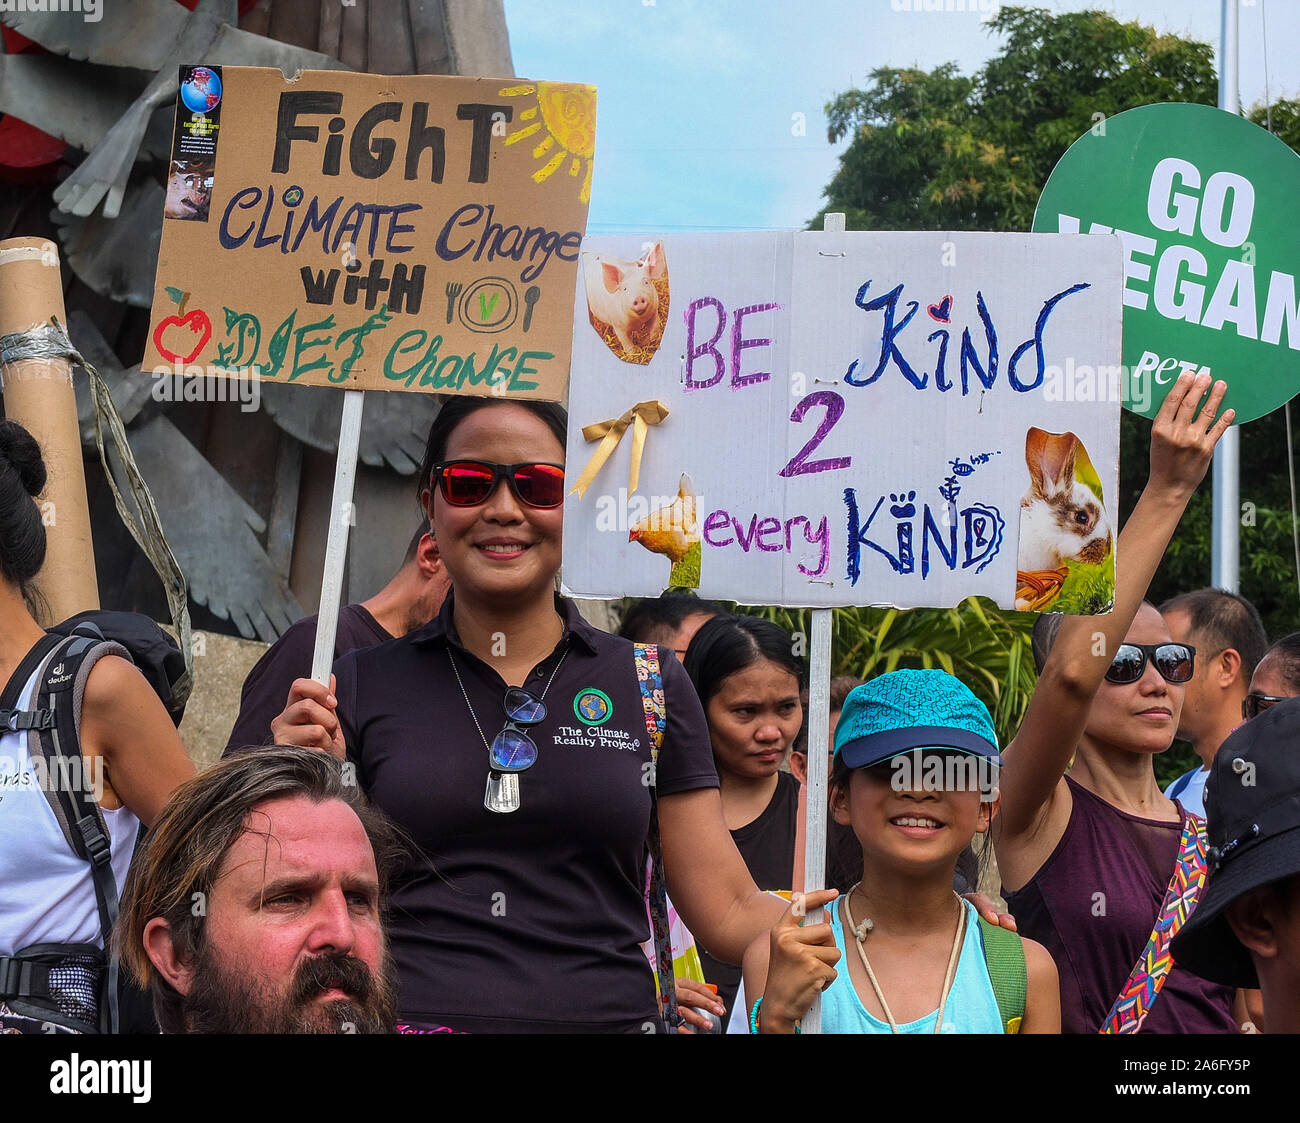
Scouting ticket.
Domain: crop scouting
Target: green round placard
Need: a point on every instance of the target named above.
(1204, 202)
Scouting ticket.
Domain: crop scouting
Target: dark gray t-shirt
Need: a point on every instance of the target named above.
(267, 686)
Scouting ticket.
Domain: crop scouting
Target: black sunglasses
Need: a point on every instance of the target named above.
(1174, 661)
(467, 483)
(512, 749)
(1256, 703)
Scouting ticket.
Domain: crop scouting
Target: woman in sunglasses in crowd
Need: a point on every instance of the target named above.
(1086, 857)
(529, 913)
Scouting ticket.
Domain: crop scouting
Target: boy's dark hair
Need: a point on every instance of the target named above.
(841, 686)
(730, 643)
(1219, 620)
(453, 409)
(1286, 654)
(656, 619)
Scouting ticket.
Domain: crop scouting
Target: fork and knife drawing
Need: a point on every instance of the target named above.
(488, 303)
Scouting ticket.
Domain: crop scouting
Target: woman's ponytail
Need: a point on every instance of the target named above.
(22, 478)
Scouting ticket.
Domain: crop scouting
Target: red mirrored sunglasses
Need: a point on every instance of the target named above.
(467, 483)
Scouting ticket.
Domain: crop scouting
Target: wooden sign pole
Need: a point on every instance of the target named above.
(819, 708)
(336, 546)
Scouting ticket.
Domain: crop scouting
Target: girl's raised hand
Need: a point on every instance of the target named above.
(1183, 437)
(801, 964)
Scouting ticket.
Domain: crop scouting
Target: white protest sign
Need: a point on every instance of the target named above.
(833, 419)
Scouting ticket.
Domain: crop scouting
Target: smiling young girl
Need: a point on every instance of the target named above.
(913, 776)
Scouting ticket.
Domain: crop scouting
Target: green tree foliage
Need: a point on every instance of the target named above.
(936, 150)
(985, 648)
(1268, 567)
(1282, 118)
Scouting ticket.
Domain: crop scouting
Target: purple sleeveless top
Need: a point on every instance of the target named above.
(1093, 904)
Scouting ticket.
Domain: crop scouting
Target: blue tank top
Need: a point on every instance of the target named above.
(971, 1008)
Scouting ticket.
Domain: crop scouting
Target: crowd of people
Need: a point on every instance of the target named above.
(498, 818)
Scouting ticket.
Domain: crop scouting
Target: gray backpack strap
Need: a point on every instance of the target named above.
(61, 688)
(61, 691)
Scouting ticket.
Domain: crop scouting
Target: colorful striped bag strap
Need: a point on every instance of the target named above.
(1153, 966)
(650, 680)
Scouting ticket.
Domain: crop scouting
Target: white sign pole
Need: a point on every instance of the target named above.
(819, 708)
(1225, 559)
(336, 546)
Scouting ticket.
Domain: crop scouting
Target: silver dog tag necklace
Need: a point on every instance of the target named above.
(502, 793)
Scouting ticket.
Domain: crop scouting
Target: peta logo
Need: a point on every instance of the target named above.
(1165, 370)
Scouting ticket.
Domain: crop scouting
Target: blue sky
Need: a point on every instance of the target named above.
(697, 125)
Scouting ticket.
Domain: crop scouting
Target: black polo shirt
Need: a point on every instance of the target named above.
(529, 921)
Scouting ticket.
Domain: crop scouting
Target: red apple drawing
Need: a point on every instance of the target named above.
(196, 324)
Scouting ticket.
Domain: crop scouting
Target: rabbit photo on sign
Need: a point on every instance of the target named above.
(627, 302)
(1062, 519)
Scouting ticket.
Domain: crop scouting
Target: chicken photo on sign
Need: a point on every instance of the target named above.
(674, 531)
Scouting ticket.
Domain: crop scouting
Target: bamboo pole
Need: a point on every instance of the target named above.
(38, 395)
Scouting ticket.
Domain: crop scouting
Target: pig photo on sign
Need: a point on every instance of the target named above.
(627, 302)
(1065, 536)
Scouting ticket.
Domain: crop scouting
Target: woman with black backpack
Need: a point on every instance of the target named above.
(68, 820)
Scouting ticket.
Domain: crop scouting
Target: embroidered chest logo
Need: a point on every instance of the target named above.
(593, 706)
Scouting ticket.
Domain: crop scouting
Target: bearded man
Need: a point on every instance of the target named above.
(256, 903)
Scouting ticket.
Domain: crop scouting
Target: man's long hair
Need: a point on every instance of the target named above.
(172, 875)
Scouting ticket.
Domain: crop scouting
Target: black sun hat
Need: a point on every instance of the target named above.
(1252, 799)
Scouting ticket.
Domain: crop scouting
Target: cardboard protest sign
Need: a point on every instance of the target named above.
(1202, 200)
(828, 419)
(374, 233)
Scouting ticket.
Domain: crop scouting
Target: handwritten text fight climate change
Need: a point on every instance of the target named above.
(318, 131)
(937, 361)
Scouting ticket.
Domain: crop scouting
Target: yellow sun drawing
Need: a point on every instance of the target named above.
(568, 122)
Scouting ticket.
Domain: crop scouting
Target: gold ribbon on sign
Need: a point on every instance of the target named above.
(641, 416)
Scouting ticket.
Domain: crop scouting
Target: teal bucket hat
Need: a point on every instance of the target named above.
(907, 710)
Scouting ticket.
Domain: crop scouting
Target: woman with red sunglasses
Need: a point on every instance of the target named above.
(509, 739)
(1087, 857)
